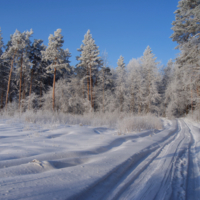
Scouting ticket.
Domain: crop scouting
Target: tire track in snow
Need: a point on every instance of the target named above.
(156, 181)
(180, 179)
(193, 175)
(175, 187)
(113, 184)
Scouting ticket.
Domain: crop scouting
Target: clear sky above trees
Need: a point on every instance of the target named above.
(123, 27)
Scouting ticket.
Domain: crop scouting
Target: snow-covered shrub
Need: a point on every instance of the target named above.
(12, 108)
(130, 123)
(170, 110)
(123, 122)
(195, 115)
(31, 102)
(67, 98)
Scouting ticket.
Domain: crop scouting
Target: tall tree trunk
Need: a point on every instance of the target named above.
(40, 93)
(191, 92)
(133, 102)
(9, 79)
(20, 81)
(191, 101)
(93, 94)
(2, 94)
(24, 87)
(139, 109)
(148, 107)
(30, 89)
(54, 81)
(41, 88)
(148, 104)
(88, 84)
(121, 102)
(10, 99)
(83, 89)
(197, 91)
(91, 99)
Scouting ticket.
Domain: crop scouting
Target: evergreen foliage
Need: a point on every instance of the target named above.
(187, 21)
(57, 58)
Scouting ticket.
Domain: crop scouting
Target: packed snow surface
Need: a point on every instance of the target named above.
(82, 162)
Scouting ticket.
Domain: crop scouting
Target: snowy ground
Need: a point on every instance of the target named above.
(82, 162)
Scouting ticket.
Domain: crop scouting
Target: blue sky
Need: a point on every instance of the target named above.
(121, 27)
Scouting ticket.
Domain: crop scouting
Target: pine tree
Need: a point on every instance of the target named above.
(38, 73)
(1, 43)
(103, 82)
(120, 82)
(135, 86)
(187, 21)
(187, 33)
(150, 71)
(90, 61)
(57, 57)
(177, 96)
(165, 86)
(189, 64)
(2, 71)
(18, 43)
(24, 64)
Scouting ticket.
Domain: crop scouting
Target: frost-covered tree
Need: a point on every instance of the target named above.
(187, 21)
(24, 64)
(151, 75)
(120, 83)
(68, 97)
(90, 61)
(1, 43)
(187, 33)
(168, 73)
(2, 70)
(176, 95)
(82, 72)
(57, 57)
(135, 86)
(103, 82)
(38, 69)
(189, 65)
(165, 87)
(23, 68)
(17, 46)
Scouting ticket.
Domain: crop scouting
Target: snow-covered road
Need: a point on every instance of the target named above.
(80, 162)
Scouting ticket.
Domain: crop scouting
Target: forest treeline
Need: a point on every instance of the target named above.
(34, 76)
